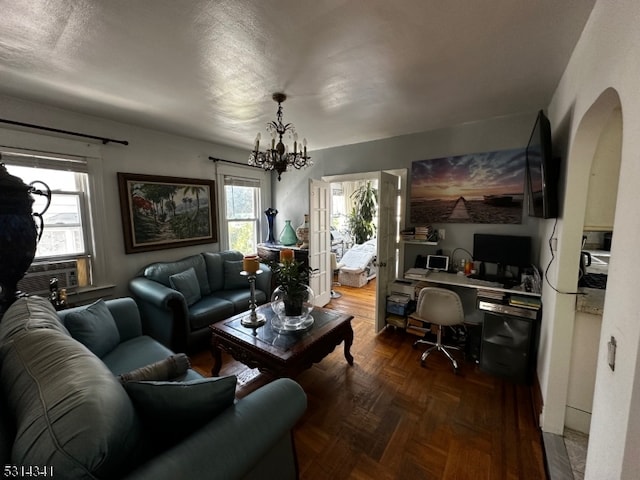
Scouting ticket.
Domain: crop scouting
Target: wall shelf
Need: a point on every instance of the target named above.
(418, 242)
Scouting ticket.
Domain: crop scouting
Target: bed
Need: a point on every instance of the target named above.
(356, 266)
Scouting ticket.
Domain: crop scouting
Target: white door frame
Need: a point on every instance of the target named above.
(402, 173)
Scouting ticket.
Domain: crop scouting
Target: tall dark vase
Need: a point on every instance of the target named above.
(270, 213)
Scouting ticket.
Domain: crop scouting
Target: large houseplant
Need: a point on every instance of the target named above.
(360, 221)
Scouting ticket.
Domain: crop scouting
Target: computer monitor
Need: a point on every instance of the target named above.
(438, 263)
(504, 250)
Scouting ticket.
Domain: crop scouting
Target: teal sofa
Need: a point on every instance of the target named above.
(71, 405)
(178, 311)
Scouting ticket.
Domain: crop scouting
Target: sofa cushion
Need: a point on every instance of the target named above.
(232, 278)
(215, 270)
(240, 298)
(187, 284)
(215, 266)
(210, 309)
(172, 410)
(27, 314)
(7, 433)
(64, 401)
(94, 327)
(135, 353)
(161, 271)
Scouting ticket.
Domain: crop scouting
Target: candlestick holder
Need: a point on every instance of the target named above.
(253, 320)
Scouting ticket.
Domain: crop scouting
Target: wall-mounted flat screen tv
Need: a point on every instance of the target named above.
(542, 171)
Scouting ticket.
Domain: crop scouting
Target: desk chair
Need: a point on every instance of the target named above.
(443, 308)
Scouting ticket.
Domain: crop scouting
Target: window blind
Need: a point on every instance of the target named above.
(241, 182)
(45, 160)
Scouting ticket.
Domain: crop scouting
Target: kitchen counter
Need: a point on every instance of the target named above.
(592, 300)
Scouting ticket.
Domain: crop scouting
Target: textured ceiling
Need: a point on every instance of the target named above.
(354, 70)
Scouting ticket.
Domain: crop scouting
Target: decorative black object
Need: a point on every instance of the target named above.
(19, 234)
(270, 213)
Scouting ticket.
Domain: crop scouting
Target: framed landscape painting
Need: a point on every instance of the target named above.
(475, 188)
(166, 212)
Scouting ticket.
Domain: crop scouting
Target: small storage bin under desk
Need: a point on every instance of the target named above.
(399, 307)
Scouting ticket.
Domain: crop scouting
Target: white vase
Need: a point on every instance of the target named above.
(302, 232)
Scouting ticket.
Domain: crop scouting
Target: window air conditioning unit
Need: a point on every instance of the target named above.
(36, 280)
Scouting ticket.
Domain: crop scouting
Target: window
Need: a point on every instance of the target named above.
(244, 193)
(67, 233)
(242, 207)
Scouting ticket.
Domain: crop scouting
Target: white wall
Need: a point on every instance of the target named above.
(606, 57)
(148, 152)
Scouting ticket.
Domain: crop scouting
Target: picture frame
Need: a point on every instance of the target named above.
(485, 187)
(160, 212)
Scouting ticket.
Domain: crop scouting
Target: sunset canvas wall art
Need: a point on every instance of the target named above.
(474, 188)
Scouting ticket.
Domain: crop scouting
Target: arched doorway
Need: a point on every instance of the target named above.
(573, 338)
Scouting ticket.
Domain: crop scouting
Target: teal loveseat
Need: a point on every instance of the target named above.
(178, 305)
(67, 410)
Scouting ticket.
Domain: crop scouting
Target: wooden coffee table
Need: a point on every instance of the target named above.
(281, 355)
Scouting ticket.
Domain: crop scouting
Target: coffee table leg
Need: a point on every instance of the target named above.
(217, 359)
(348, 341)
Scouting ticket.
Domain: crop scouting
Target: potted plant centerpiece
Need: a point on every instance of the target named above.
(292, 300)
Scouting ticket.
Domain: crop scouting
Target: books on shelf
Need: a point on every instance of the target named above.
(420, 233)
(532, 303)
(417, 327)
(491, 294)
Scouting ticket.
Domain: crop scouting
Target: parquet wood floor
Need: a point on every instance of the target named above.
(389, 418)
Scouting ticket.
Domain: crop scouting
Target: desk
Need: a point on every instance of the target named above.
(510, 333)
(445, 278)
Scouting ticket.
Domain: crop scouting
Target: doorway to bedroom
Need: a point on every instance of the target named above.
(361, 262)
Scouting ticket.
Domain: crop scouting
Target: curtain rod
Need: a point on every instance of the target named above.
(230, 161)
(66, 132)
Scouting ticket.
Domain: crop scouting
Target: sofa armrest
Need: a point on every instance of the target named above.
(239, 440)
(164, 312)
(263, 282)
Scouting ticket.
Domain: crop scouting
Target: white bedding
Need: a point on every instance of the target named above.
(359, 258)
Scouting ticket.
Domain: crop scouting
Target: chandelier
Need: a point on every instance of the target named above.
(278, 157)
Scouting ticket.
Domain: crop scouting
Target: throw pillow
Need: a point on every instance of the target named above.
(94, 327)
(168, 369)
(232, 278)
(172, 410)
(187, 284)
